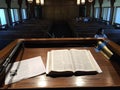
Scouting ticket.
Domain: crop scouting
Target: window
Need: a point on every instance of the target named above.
(117, 16)
(14, 15)
(106, 14)
(97, 11)
(24, 14)
(2, 17)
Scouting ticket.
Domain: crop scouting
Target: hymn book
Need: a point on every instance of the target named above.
(71, 62)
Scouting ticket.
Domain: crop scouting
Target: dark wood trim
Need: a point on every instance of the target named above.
(88, 8)
(20, 11)
(20, 3)
(100, 3)
(31, 9)
(112, 10)
(93, 10)
(8, 2)
(112, 45)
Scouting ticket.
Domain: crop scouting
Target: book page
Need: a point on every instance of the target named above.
(93, 61)
(60, 61)
(49, 63)
(82, 61)
(25, 69)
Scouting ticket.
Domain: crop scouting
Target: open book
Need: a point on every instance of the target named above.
(68, 62)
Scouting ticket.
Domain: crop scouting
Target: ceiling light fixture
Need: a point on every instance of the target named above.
(30, 1)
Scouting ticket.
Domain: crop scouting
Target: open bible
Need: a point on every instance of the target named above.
(71, 62)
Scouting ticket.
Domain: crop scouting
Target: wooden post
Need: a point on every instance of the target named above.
(31, 9)
(100, 3)
(112, 10)
(88, 6)
(20, 11)
(27, 9)
(93, 10)
(8, 2)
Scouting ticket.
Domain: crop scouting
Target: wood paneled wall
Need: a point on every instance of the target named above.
(60, 9)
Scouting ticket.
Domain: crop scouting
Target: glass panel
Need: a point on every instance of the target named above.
(2, 17)
(106, 14)
(117, 17)
(12, 15)
(97, 11)
(16, 15)
(24, 14)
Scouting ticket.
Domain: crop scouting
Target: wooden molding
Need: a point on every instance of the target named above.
(100, 2)
(8, 2)
(20, 3)
(112, 2)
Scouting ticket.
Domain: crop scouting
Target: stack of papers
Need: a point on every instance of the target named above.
(25, 69)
